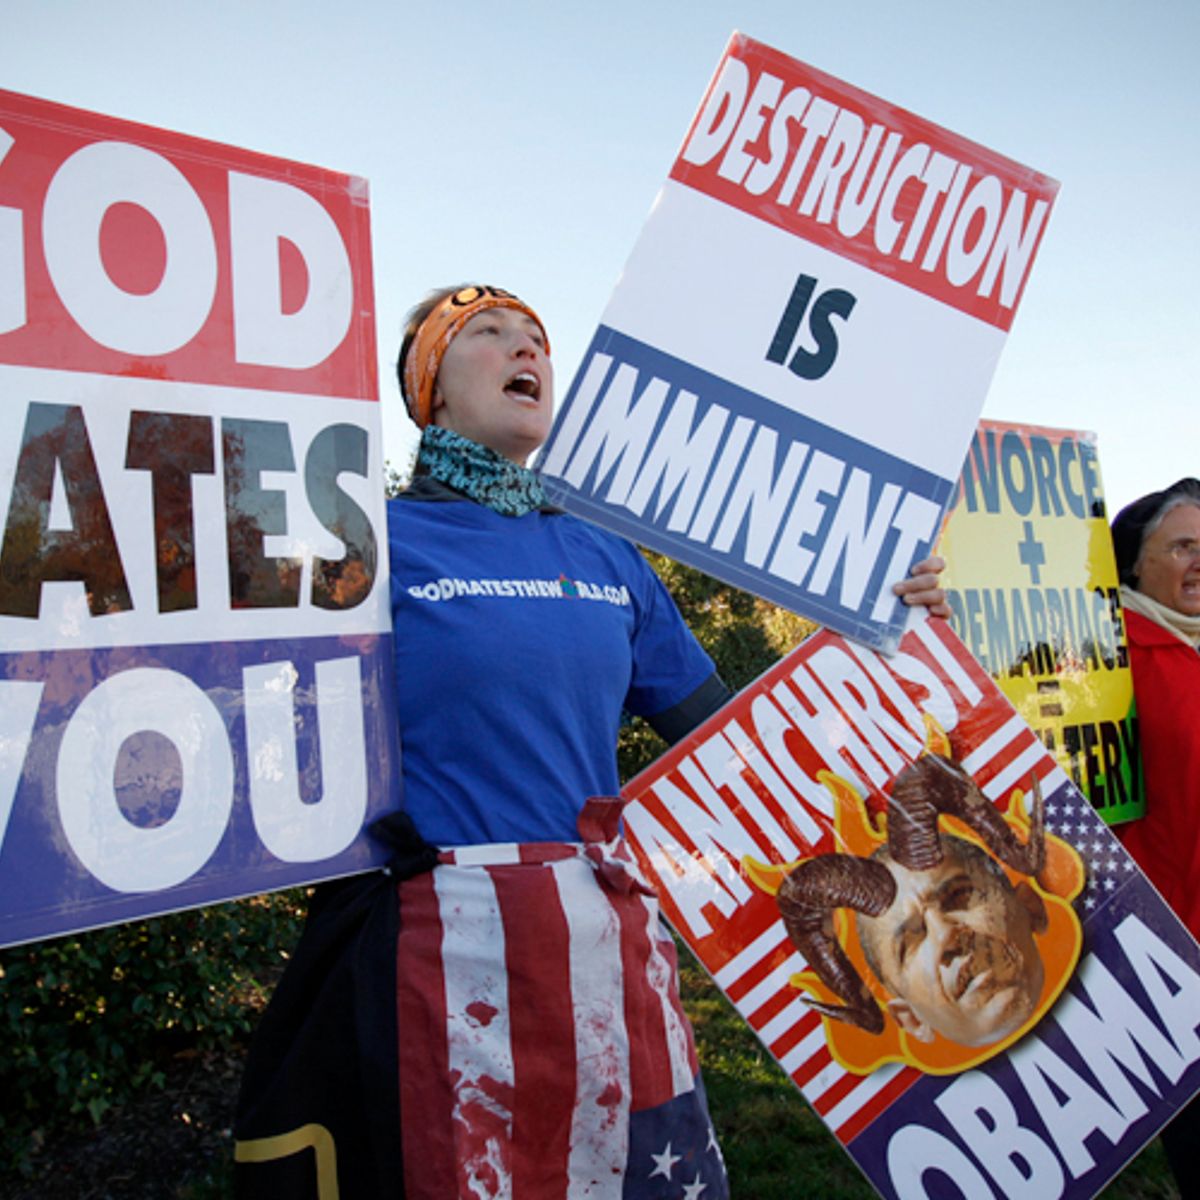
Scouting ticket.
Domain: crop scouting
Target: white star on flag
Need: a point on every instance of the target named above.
(664, 1162)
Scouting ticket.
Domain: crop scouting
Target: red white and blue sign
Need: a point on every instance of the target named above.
(195, 651)
(786, 379)
(1034, 1025)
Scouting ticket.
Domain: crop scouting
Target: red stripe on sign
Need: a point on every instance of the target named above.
(812, 1067)
(883, 1099)
(542, 1028)
(804, 1025)
(789, 145)
(835, 1092)
(150, 254)
(425, 1086)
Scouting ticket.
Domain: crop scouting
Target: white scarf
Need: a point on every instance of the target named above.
(1186, 628)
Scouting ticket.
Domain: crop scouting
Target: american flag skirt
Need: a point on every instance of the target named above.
(544, 1051)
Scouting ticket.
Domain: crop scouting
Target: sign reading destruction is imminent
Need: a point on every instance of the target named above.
(194, 630)
(1032, 582)
(925, 922)
(786, 378)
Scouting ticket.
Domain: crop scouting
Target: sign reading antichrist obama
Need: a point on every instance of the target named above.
(194, 630)
(925, 922)
(785, 380)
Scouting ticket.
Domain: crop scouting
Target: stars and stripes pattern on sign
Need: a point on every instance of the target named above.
(751, 957)
(544, 1051)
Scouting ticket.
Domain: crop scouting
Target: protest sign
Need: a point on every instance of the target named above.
(1032, 582)
(194, 627)
(787, 376)
(1009, 1009)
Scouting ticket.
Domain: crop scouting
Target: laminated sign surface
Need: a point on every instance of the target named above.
(785, 381)
(925, 922)
(194, 630)
(1032, 582)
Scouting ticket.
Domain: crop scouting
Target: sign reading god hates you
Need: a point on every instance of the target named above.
(194, 629)
(786, 378)
(1032, 583)
(925, 922)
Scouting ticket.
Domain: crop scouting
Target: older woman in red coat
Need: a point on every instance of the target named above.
(1157, 543)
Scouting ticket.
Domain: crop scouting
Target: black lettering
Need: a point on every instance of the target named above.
(1012, 451)
(995, 616)
(1116, 623)
(1066, 456)
(1087, 633)
(958, 614)
(1045, 471)
(810, 364)
(1114, 775)
(1091, 479)
(1043, 663)
(1022, 637)
(789, 323)
(988, 470)
(833, 303)
(32, 553)
(1133, 755)
(345, 582)
(172, 447)
(1094, 787)
(1072, 743)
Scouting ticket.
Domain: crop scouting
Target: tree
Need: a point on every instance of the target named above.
(743, 633)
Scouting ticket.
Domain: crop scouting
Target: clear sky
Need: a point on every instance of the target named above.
(523, 144)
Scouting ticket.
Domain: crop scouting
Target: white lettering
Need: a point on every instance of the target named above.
(737, 162)
(690, 877)
(986, 198)
(914, 1151)
(82, 191)
(724, 767)
(852, 690)
(1070, 1108)
(763, 174)
(19, 700)
(12, 261)
(262, 214)
(124, 856)
(982, 1115)
(291, 828)
(683, 457)
(720, 113)
(1172, 986)
(1013, 248)
(823, 478)
(621, 430)
(761, 495)
(853, 536)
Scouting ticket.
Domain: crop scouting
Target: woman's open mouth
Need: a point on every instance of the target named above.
(525, 387)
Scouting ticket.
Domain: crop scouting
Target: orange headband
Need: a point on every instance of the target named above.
(438, 330)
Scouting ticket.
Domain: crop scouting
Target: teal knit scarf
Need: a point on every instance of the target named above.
(480, 473)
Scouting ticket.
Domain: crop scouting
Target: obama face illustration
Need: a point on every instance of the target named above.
(956, 949)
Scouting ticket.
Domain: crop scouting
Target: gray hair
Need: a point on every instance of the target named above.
(1177, 500)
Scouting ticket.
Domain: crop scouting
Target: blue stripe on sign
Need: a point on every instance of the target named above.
(722, 478)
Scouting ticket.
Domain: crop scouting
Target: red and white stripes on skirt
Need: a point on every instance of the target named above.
(538, 1009)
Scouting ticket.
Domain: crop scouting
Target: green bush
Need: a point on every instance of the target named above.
(743, 633)
(86, 1021)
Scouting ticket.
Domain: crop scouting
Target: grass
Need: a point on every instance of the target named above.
(775, 1147)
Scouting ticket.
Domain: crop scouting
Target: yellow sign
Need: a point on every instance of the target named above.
(1032, 582)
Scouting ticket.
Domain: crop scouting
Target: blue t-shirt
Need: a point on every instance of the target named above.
(519, 640)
